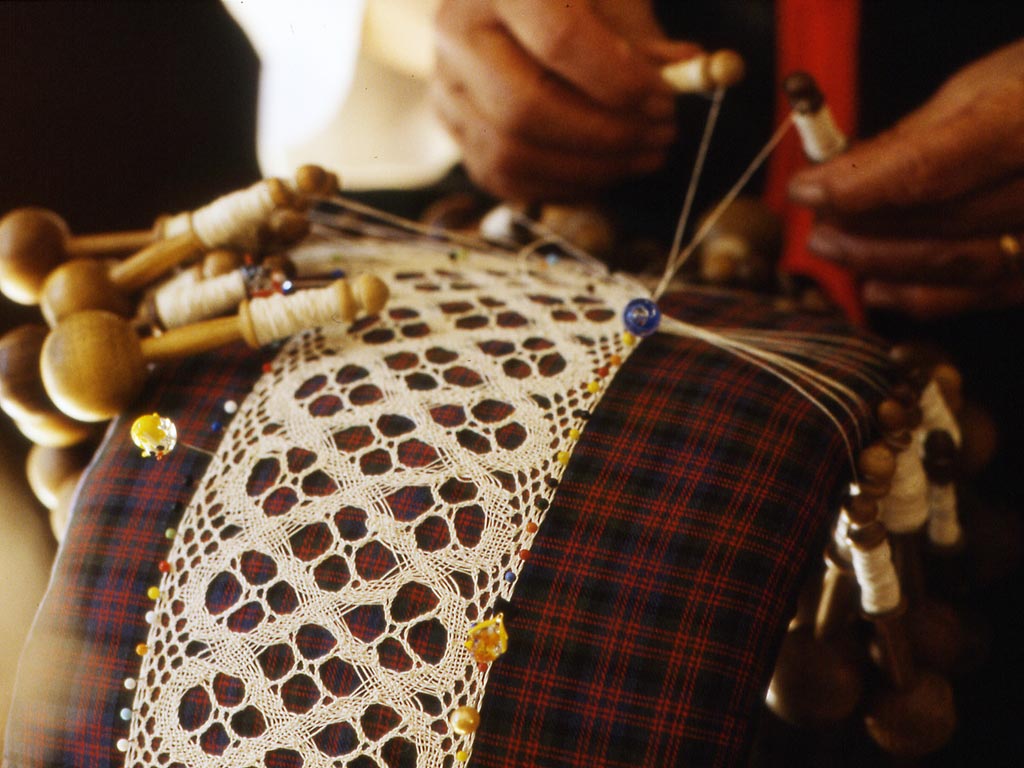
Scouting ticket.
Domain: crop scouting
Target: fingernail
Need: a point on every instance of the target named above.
(807, 192)
(659, 107)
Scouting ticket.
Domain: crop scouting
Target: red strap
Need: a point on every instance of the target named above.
(819, 38)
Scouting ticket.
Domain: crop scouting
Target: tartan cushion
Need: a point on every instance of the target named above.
(643, 627)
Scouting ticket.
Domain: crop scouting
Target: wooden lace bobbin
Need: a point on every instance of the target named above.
(47, 469)
(23, 397)
(232, 220)
(913, 714)
(818, 678)
(935, 628)
(94, 365)
(742, 247)
(705, 72)
(214, 264)
(35, 241)
(818, 674)
(820, 136)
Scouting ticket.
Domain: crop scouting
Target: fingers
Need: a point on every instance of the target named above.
(923, 302)
(574, 43)
(905, 167)
(974, 262)
(509, 167)
(528, 102)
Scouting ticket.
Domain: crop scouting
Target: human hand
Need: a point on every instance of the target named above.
(552, 101)
(927, 214)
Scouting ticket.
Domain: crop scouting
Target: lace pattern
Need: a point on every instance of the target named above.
(372, 499)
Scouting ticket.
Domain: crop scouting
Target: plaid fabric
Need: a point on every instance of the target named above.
(644, 625)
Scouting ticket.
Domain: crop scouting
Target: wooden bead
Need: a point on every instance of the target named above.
(862, 509)
(876, 463)
(892, 416)
(315, 181)
(867, 536)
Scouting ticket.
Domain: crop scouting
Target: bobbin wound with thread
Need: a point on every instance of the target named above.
(820, 137)
(94, 366)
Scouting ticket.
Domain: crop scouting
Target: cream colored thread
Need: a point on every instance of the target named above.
(905, 508)
(935, 414)
(676, 261)
(819, 134)
(222, 500)
(876, 577)
(201, 300)
(943, 523)
(275, 317)
(234, 219)
(178, 224)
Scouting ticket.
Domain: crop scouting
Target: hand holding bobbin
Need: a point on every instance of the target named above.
(93, 365)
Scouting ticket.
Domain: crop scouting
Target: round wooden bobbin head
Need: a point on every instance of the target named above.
(81, 284)
(23, 397)
(876, 465)
(314, 181)
(816, 681)
(47, 469)
(913, 715)
(92, 365)
(32, 244)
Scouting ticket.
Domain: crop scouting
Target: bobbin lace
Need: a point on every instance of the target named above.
(368, 506)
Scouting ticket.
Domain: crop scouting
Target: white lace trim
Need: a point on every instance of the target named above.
(459, 401)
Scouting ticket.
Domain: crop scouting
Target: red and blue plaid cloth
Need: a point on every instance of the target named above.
(643, 628)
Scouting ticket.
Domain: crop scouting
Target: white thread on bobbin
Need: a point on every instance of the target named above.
(234, 219)
(839, 537)
(819, 134)
(275, 317)
(876, 577)
(935, 414)
(201, 300)
(905, 507)
(943, 522)
(177, 224)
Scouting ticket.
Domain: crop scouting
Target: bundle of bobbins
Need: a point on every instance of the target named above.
(887, 657)
(90, 364)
